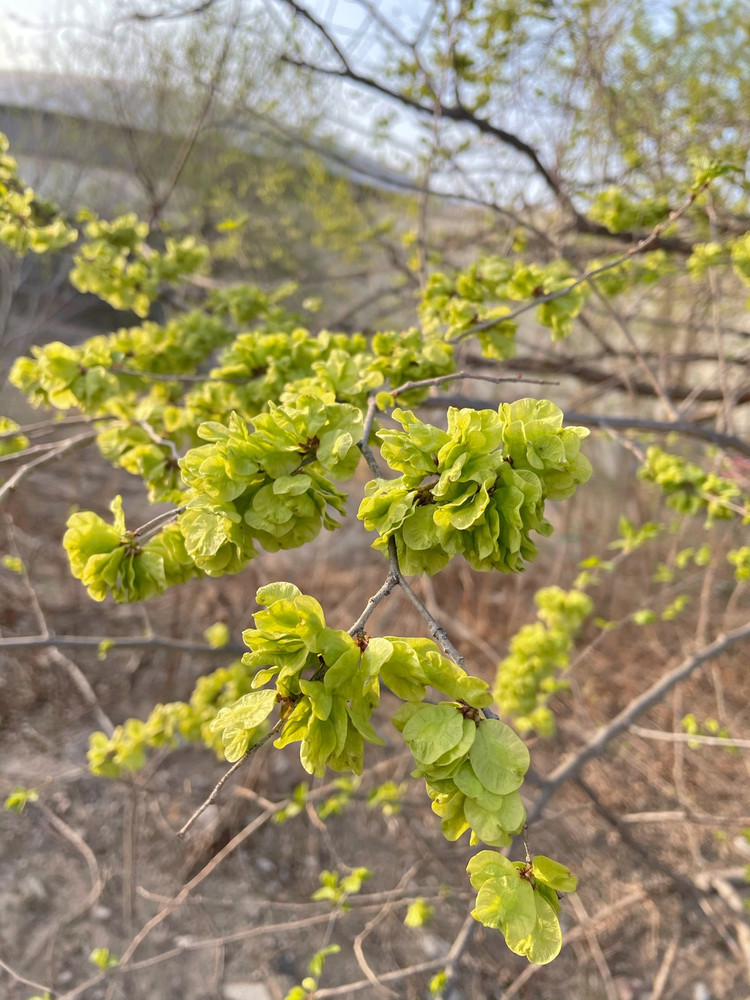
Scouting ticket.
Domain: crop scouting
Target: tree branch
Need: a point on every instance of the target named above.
(437, 631)
(250, 752)
(462, 115)
(686, 427)
(643, 243)
(475, 376)
(621, 722)
(119, 642)
(46, 459)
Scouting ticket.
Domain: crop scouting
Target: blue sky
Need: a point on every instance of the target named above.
(29, 25)
(54, 35)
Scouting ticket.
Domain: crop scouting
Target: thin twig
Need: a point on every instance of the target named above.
(155, 524)
(174, 377)
(589, 275)
(118, 642)
(84, 688)
(688, 428)
(662, 976)
(387, 977)
(459, 946)
(227, 775)
(594, 947)
(436, 629)
(97, 883)
(242, 935)
(391, 581)
(70, 445)
(25, 453)
(125, 964)
(359, 954)
(455, 112)
(41, 427)
(233, 844)
(22, 979)
(364, 444)
(158, 440)
(71, 669)
(189, 141)
(474, 376)
(727, 742)
(683, 816)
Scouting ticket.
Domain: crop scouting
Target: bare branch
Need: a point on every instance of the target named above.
(46, 459)
(621, 722)
(227, 775)
(66, 831)
(191, 138)
(73, 672)
(391, 581)
(459, 113)
(726, 742)
(438, 632)
(727, 441)
(459, 946)
(118, 642)
(388, 977)
(565, 365)
(172, 15)
(22, 979)
(643, 244)
(475, 376)
(436, 629)
(686, 427)
(42, 427)
(157, 523)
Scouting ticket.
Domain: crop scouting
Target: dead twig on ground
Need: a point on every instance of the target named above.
(571, 767)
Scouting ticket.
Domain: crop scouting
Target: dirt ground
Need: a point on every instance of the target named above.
(654, 830)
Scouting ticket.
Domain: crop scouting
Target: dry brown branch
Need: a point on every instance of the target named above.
(588, 277)
(472, 376)
(53, 455)
(42, 427)
(398, 975)
(188, 144)
(171, 15)
(22, 979)
(685, 427)
(359, 954)
(662, 976)
(81, 683)
(456, 113)
(457, 949)
(652, 696)
(391, 581)
(119, 642)
(595, 948)
(697, 889)
(73, 672)
(84, 850)
(682, 816)
(727, 742)
(227, 775)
